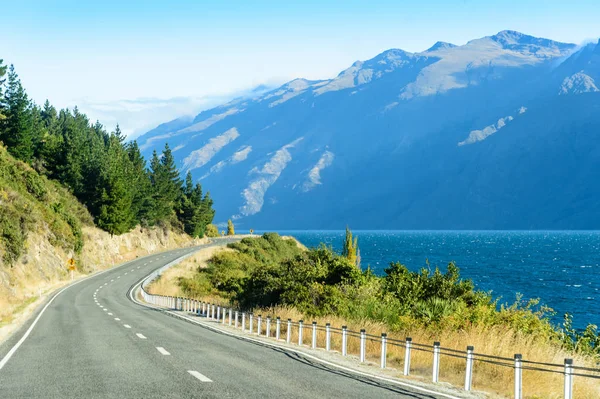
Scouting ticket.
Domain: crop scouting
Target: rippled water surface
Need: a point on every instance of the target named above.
(561, 268)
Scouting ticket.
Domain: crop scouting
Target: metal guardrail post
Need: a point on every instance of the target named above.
(278, 328)
(251, 322)
(218, 313)
(383, 350)
(300, 323)
(236, 318)
(243, 322)
(213, 311)
(518, 376)
(230, 315)
(224, 314)
(363, 345)
(259, 325)
(568, 378)
(344, 340)
(436, 362)
(268, 329)
(407, 346)
(469, 370)
(328, 337)
(314, 335)
(288, 337)
(203, 308)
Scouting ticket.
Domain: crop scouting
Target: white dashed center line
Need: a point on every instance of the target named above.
(140, 336)
(110, 314)
(117, 319)
(106, 310)
(199, 376)
(126, 326)
(162, 350)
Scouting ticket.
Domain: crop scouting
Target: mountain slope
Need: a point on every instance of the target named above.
(497, 133)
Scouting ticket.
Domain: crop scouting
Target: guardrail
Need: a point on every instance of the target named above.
(234, 317)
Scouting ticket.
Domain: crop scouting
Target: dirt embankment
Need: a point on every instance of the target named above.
(43, 267)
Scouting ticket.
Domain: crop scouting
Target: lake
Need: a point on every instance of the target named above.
(562, 268)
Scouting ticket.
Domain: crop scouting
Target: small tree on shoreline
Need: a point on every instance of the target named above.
(230, 228)
(350, 249)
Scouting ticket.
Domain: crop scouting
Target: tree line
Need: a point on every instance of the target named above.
(104, 171)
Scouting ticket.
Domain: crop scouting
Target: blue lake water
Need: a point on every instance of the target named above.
(562, 268)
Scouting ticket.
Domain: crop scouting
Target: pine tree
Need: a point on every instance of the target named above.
(17, 127)
(119, 134)
(166, 186)
(2, 80)
(142, 201)
(195, 212)
(230, 229)
(115, 203)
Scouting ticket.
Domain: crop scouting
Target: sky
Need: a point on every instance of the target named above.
(140, 63)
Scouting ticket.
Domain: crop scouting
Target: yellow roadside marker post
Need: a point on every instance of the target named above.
(72, 267)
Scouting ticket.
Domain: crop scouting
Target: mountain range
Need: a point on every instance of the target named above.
(499, 133)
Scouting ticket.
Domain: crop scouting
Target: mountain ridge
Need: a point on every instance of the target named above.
(299, 147)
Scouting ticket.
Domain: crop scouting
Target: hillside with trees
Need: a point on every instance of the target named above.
(100, 168)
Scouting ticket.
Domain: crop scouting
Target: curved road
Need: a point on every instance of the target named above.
(92, 341)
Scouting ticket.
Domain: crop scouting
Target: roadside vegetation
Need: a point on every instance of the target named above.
(273, 276)
(105, 173)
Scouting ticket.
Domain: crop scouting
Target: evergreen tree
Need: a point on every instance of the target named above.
(142, 202)
(230, 228)
(17, 127)
(196, 212)
(119, 134)
(115, 214)
(166, 186)
(2, 80)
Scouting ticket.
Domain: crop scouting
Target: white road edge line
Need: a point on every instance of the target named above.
(140, 336)
(12, 350)
(369, 375)
(199, 376)
(162, 351)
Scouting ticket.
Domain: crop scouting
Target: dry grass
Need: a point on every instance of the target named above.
(495, 380)
(167, 284)
(42, 268)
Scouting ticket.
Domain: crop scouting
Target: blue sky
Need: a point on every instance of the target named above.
(145, 62)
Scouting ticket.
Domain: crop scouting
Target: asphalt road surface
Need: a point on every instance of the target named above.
(92, 341)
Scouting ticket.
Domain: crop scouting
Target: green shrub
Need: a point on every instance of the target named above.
(212, 231)
(13, 235)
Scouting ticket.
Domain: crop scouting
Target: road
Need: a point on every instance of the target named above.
(92, 341)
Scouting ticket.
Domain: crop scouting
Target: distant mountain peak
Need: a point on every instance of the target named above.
(513, 40)
(440, 46)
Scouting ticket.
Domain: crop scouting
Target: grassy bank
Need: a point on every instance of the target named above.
(273, 276)
(42, 225)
